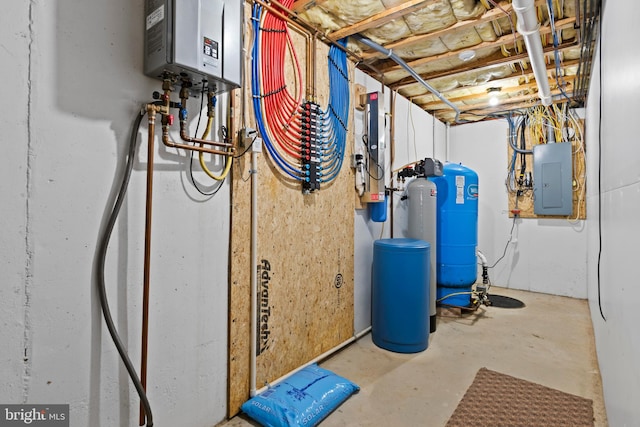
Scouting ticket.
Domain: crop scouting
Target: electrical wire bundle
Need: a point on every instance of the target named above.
(518, 182)
(556, 54)
(279, 110)
(542, 125)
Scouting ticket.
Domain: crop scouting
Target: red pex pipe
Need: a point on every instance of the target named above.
(281, 109)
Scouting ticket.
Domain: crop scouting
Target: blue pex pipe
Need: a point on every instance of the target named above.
(337, 112)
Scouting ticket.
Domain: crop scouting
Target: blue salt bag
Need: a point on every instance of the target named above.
(303, 399)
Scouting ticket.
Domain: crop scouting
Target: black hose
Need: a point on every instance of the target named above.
(600, 169)
(102, 255)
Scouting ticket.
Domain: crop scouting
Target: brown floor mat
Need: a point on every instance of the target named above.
(500, 400)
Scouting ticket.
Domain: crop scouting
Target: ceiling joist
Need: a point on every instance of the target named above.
(504, 40)
(381, 18)
(514, 104)
(302, 5)
(528, 77)
(481, 65)
(500, 60)
(488, 16)
(439, 105)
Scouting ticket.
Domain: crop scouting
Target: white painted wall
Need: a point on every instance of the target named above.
(617, 339)
(73, 87)
(365, 230)
(71, 91)
(417, 136)
(546, 255)
(14, 49)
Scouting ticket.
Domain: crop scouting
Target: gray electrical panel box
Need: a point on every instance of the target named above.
(552, 179)
(200, 40)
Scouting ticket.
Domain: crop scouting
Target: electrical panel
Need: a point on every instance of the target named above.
(552, 179)
(198, 40)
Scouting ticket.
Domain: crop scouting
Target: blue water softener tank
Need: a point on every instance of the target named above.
(457, 234)
(400, 295)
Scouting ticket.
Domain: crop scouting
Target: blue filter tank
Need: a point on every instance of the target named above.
(457, 234)
(378, 210)
(400, 295)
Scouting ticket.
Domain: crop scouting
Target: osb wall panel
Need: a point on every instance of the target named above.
(305, 261)
(525, 202)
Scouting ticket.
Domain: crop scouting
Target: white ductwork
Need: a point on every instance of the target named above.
(529, 27)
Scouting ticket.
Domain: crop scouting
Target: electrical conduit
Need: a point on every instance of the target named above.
(395, 58)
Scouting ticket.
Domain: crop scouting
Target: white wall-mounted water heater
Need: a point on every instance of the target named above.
(198, 40)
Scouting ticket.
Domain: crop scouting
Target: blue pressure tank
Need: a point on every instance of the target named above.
(400, 295)
(457, 231)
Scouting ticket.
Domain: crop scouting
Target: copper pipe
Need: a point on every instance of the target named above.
(185, 137)
(313, 66)
(309, 64)
(184, 94)
(151, 112)
(169, 143)
(231, 119)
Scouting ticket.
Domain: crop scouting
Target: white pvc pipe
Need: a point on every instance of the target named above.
(483, 259)
(254, 269)
(317, 359)
(529, 27)
(446, 142)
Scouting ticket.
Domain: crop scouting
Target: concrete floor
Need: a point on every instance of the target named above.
(549, 342)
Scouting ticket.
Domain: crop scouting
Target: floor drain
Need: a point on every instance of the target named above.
(500, 301)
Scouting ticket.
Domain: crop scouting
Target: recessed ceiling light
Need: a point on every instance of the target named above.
(467, 55)
(493, 92)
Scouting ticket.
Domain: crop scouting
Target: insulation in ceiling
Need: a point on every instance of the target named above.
(429, 35)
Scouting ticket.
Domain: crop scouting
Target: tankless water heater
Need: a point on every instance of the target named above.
(200, 40)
